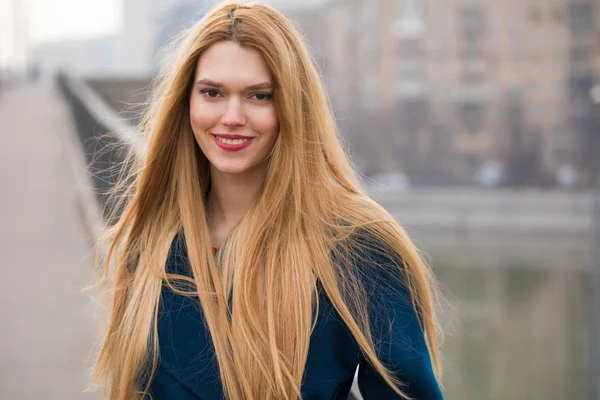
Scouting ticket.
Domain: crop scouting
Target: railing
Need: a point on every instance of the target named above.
(105, 138)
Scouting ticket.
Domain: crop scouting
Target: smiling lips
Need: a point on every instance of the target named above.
(232, 142)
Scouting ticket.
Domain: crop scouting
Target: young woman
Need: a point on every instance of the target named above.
(247, 262)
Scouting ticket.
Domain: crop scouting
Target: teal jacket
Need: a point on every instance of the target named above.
(188, 368)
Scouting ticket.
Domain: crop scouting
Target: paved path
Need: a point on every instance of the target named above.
(47, 326)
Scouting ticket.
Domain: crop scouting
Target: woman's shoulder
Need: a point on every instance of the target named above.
(371, 254)
(379, 267)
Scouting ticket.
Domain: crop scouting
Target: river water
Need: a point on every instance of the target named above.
(516, 320)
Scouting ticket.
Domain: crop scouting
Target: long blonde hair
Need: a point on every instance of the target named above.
(307, 213)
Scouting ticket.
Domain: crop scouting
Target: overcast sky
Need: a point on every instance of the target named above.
(58, 19)
(30, 22)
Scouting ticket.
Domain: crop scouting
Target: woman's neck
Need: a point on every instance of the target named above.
(229, 199)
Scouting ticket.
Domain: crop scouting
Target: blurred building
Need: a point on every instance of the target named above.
(438, 89)
(141, 26)
(87, 57)
(149, 25)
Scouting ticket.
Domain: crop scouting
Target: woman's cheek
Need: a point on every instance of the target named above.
(201, 119)
(271, 124)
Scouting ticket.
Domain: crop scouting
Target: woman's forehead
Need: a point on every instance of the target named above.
(229, 63)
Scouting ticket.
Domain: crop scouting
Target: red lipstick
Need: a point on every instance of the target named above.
(239, 145)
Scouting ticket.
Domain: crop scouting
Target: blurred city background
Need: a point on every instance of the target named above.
(476, 123)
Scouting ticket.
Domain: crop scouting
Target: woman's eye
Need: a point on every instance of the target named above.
(262, 96)
(210, 93)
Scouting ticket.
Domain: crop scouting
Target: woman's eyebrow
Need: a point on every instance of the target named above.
(209, 82)
(258, 86)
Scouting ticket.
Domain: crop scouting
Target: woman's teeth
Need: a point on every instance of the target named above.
(232, 141)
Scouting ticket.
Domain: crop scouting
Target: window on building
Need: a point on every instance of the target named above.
(535, 15)
(472, 21)
(472, 115)
(581, 17)
(580, 54)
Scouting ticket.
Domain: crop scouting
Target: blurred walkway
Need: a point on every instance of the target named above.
(47, 327)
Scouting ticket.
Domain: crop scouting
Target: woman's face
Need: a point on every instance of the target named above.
(232, 112)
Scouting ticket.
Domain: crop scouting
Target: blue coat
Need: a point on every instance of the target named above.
(188, 369)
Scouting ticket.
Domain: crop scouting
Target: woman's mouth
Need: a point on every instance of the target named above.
(232, 144)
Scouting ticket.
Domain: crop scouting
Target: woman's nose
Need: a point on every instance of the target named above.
(233, 115)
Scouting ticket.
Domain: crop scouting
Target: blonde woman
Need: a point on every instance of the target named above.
(247, 262)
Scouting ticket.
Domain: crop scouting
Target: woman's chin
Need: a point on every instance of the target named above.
(240, 167)
(230, 168)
